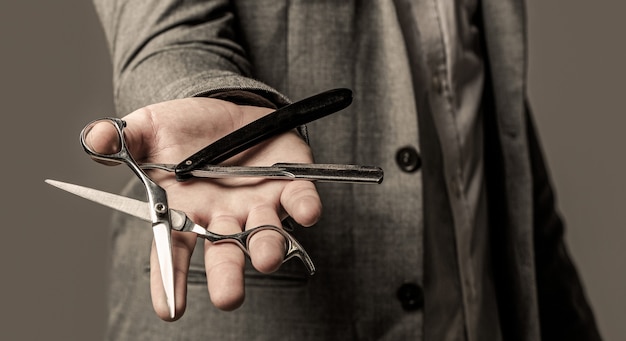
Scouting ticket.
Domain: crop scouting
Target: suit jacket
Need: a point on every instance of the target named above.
(369, 241)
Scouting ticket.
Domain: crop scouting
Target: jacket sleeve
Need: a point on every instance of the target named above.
(167, 49)
(563, 308)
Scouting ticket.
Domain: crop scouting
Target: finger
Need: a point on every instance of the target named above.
(182, 248)
(302, 202)
(267, 248)
(224, 263)
(103, 138)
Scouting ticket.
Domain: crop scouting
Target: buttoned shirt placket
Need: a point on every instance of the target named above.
(453, 59)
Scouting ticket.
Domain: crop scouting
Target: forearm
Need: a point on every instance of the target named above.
(162, 50)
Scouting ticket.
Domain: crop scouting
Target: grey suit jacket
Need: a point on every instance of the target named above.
(369, 241)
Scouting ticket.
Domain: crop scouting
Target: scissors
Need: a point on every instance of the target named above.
(203, 164)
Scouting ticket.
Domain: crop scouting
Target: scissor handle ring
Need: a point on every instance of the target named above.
(121, 155)
(292, 248)
(156, 194)
(242, 240)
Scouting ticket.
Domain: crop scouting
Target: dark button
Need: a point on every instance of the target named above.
(408, 159)
(411, 296)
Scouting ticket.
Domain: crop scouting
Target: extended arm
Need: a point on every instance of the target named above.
(163, 50)
(164, 54)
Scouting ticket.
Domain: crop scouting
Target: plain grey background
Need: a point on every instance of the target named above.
(55, 77)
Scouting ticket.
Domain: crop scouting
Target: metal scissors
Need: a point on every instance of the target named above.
(179, 221)
(203, 164)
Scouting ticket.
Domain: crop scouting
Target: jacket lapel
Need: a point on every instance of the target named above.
(504, 23)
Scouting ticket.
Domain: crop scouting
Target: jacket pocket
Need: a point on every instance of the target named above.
(291, 274)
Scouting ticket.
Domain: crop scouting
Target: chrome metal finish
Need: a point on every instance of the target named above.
(181, 222)
(286, 171)
(156, 197)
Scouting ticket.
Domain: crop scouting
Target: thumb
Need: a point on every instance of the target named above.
(102, 137)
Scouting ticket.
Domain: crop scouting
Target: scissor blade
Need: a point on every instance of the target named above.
(130, 206)
(140, 210)
(162, 241)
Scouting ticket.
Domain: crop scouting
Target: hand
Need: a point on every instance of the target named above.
(170, 131)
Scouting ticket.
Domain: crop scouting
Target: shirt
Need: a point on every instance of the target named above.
(459, 293)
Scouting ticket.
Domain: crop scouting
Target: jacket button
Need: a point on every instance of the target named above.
(408, 159)
(411, 297)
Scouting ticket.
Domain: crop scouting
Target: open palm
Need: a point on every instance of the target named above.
(169, 132)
